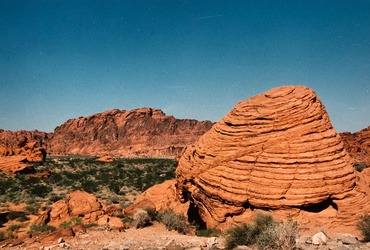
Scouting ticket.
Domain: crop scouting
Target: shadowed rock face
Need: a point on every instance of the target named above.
(276, 151)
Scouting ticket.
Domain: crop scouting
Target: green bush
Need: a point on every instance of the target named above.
(15, 215)
(209, 232)
(264, 233)
(15, 227)
(40, 228)
(88, 225)
(174, 221)
(32, 209)
(363, 225)
(73, 222)
(359, 166)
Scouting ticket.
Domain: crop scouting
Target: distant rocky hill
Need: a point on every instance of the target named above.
(358, 145)
(139, 132)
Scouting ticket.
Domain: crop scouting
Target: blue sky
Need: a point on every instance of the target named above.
(62, 59)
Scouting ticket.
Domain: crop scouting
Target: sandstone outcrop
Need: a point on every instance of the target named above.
(78, 204)
(139, 132)
(159, 198)
(358, 145)
(16, 158)
(106, 159)
(275, 152)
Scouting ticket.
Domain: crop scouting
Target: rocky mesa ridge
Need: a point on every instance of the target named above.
(139, 132)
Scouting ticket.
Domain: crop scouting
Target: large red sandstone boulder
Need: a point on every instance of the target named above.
(276, 151)
(78, 204)
(15, 165)
(15, 158)
(159, 198)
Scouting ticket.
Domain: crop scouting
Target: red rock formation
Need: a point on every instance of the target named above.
(358, 145)
(143, 131)
(78, 204)
(15, 165)
(16, 158)
(106, 159)
(140, 132)
(276, 151)
(159, 198)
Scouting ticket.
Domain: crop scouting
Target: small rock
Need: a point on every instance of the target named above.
(60, 240)
(347, 239)
(211, 241)
(319, 239)
(171, 245)
(63, 245)
(343, 248)
(122, 247)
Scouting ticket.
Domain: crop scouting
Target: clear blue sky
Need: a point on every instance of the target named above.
(61, 59)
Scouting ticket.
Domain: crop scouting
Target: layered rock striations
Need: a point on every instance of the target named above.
(276, 151)
(358, 145)
(139, 132)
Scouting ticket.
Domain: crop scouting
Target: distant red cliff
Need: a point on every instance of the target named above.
(139, 132)
(358, 145)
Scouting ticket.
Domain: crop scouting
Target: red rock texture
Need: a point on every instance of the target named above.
(78, 204)
(139, 132)
(15, 158)
(143, 131)
(106, 159)
(159, 198)
(358, 145)
(276, 151)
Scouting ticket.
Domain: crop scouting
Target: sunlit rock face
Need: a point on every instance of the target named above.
(276, 151)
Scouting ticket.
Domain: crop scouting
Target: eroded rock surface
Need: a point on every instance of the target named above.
(276, 151)
(358, 145)
(16, 158)
(79, 204)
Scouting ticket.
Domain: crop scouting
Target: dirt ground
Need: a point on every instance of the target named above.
(152, 237)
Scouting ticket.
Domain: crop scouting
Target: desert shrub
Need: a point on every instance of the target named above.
(153, 215)
(2, 236)
(359, 166)
(174, 221)
(264, 233)
(15, 227)
(239, 235)
(363, 225)
(13, 215)
(32, 209)
(40, 190)
(88, 225)
(73, 222)
(40, 228)
(141, 219)
(209, 232)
